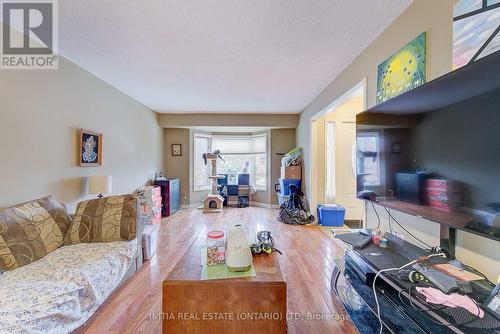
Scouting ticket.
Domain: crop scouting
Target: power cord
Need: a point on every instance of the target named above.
(421, 259)
(411, 234)
(378, 218)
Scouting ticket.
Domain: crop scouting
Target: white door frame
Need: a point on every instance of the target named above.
(338, 101)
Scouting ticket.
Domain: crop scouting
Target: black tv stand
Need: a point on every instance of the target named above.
(352, 282)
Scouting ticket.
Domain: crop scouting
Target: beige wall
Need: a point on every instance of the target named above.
(41, 113)
(434, 17)
(248, 120)
(177, 166)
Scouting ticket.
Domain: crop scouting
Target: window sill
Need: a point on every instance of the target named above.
(200, 190)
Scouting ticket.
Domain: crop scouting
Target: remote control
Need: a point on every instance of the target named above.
(363, 243)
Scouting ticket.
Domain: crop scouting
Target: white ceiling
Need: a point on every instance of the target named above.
(221, 55)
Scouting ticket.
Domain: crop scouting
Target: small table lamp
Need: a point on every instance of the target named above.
(99, 185)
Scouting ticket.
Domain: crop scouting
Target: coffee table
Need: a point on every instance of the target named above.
(237, 305)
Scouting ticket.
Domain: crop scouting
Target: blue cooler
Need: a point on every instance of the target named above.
(329, 215)
(285, 185)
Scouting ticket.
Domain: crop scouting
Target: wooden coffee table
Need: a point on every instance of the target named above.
(237, 305)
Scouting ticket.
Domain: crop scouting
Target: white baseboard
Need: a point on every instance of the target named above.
(264, 205)
(191, 206)
(258, 204)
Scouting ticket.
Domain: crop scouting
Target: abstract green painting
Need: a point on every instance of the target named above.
(403, 71)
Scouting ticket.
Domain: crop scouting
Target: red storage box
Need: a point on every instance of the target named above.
(441, 199)
(442, 184)
(442, 194)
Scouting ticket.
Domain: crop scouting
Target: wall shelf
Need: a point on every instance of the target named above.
(469, 81)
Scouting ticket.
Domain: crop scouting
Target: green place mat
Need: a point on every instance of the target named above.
(220, 271)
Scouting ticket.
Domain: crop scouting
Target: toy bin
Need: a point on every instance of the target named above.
(284, 187)
(331, 215)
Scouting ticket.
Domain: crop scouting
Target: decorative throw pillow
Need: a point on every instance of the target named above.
(31, 230)
(104, 220)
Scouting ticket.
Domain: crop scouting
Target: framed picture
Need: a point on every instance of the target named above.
(176, 150)
(403, 71)
(396, 148)
(90, 153)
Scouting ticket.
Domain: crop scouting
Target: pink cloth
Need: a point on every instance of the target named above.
(436, 296)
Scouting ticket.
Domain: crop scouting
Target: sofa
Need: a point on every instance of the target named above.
(59, 291)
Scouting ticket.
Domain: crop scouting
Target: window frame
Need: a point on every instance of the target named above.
(253, 171)
(330, 162)
(266, 154)
(209, 138)
(375, 134)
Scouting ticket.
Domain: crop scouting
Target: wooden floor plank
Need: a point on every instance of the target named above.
(307, 263)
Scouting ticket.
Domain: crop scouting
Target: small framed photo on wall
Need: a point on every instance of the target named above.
(396, 148)
(90, 148)
(176, 150)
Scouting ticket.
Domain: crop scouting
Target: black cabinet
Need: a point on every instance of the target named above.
(170, 195)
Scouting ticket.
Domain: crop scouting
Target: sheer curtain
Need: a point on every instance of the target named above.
(330, 161)
(240, 152)
(202, 144)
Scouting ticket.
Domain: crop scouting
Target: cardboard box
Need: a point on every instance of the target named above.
(291, 172)
(243, 190)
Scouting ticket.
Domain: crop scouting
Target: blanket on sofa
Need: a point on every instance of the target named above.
(59, 292)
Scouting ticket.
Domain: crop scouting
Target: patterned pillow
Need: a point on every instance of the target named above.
(104, 220)
(31, 230)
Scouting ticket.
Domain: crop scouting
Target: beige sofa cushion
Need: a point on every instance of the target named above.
(31, 230)
(104, 220)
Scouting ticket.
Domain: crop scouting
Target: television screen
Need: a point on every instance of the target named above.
(447, 159)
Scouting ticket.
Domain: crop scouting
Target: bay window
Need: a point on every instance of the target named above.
(242, 153)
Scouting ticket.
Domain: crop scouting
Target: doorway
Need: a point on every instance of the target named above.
(333, 144)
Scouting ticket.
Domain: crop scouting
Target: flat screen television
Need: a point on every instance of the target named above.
(456, 147)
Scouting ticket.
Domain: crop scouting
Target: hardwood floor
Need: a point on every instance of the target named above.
(307, 263)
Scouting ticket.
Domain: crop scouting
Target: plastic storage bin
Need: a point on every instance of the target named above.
(223, 181)
(331, 215)
(285, 185)
(244, 179)
(150, 240)
(232, 189)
